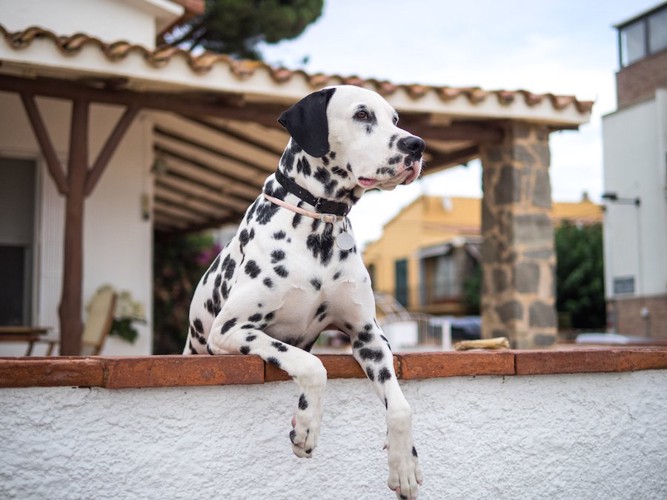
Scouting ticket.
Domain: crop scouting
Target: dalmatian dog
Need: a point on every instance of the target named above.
(293, 268)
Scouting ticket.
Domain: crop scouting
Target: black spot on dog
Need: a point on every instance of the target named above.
(192, 349)
(296, 220)
(208, 350)
(365, 336)
(212, 268)
(348, 326)
(287, 159)
(315, 225)
(268, 282)
(330, 186)
(370, 374)
(332, 155)
(336, 276)
(349, 168)
(317, 284)
(321, 309)
(245, 349)
(280, 346)
(255, 318)
(368, 327)
(248, 326)
(250, 338)
(303, 167)
(281, 271)
(385, 170)
(321, 245)
(394, 160)
(266, 211)
(198, 325)
(292, 435)
(384, 375)
(225, 290)
(414, 452)
(303, 403)
(371, 354)
(218, 281)
(322, 175)
(269, 316)
(279, 235)
(273, 361)
(325, 160)
(358, 344)
(392, 140)
(251, 211)
(340, 172)
(252, 269)
(228, 324)
(230, 268)
(277, 256)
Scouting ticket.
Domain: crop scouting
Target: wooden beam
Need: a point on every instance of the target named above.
(249, 164)
(53, 164)
(71, 325)
(211, 104)
(440, 161)
(456, 131)
(226, 176)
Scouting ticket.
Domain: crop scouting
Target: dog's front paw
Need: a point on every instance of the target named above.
(306, 428)
(405, 475)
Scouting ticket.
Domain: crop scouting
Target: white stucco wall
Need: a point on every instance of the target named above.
(132, 20)
(635, 149)
(596, 436)
(117, 240)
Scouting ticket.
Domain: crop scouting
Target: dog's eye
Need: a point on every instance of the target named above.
(361, 115)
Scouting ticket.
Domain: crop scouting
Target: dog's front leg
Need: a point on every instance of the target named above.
(229, 335)
(372, 352)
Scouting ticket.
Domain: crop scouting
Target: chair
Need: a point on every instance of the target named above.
(100, 312)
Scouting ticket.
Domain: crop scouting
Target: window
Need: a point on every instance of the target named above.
(632, 43)
(17, 206)
(642, 36)
(657, 28)
(441, 277)
(401, 281)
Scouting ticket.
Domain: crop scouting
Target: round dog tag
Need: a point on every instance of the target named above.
(345, 241)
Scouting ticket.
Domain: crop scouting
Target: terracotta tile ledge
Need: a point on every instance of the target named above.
(181, 371)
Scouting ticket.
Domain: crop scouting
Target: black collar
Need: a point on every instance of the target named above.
(322, 205)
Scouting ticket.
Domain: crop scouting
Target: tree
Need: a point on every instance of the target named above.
(178, 265)
(580, 275)
(236, 27)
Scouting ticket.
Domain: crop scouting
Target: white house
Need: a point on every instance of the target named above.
(178, 142)
(635, 179)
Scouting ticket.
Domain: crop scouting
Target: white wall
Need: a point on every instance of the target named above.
(596, 436)
(109, 20)
(635, 165)
(117, 241)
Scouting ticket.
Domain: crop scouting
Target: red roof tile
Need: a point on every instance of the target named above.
(243, 69)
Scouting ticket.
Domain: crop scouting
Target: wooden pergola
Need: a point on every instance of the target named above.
(215, 144)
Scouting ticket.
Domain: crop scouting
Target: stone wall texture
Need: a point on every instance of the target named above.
(518, 296)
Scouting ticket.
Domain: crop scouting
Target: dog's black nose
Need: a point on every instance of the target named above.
(411, 145)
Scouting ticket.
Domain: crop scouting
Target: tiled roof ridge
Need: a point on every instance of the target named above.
(202, 63)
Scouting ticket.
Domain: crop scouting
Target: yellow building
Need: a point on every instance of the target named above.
(432, 246)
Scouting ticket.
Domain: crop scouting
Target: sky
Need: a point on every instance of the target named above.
(565, 47)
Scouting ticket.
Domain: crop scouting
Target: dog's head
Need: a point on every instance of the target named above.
(357, 129)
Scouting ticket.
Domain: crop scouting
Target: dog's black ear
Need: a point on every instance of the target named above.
(307, 123)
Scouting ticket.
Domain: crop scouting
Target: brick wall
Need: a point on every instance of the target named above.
(629, 318)
(640, 80)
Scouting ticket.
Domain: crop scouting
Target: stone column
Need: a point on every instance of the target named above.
(518, 292)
